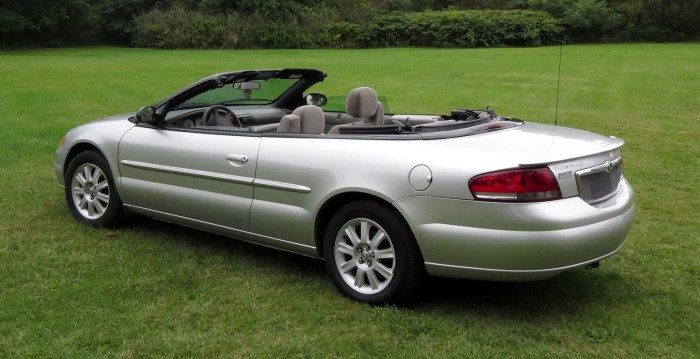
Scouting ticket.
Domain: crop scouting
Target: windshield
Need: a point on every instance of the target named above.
(256, 92)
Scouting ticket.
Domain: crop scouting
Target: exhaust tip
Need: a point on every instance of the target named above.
(593, 265)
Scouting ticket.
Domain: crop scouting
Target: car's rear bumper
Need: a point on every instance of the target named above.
(514, 242)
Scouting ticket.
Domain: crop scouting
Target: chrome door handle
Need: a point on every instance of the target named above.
(236, 160)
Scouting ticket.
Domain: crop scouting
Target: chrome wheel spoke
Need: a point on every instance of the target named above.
(382, 270)
(345, 248)
(80, 179)
(373, 281)
(97, 175)
(384, 253)
(82, 203)
(99, 208)
(104, 198)
(359, 278)
(91, 209)
(87, 173)
(78, 191)
(377, 239)
(347, 266)
(364, 232)
(352, 236)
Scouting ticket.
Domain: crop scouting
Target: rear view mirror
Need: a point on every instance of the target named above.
(146, 115)
(247, 85)
(316, 99)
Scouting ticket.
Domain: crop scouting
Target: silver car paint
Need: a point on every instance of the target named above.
(188, 174)
(287, 179)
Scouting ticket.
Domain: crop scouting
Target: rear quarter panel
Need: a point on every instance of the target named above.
(331, 165)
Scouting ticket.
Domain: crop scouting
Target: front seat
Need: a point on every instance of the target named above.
(305, 119)
(362, 103)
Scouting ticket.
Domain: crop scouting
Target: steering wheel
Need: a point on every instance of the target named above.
(222, 116)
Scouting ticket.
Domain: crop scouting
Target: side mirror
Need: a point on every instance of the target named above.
(146, 115)
(316, 99)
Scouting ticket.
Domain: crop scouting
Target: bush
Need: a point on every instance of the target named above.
(584, 19)
(179, 28)
(48, 23)
(452, 29)
(662, 20)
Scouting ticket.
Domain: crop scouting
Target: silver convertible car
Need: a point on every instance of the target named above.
(384, 198)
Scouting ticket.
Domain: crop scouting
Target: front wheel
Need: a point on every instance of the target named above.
(371, 254)
(90, 191)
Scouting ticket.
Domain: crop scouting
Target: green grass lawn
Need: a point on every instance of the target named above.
(152, 289)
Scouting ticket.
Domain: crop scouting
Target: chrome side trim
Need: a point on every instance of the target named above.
(282, 186)
(217, 176)
(188, 172)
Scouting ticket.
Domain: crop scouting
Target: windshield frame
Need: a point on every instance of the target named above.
(232, 94)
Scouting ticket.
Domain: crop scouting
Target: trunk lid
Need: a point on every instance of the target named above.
(585, 164)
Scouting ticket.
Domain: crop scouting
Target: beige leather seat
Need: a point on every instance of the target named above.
(305, 119)
(289, 124)
(362, 104)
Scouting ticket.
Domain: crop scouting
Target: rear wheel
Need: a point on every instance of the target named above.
(90, 191)
(371, 254)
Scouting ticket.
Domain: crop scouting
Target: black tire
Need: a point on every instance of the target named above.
(90, 191)
(382, 266)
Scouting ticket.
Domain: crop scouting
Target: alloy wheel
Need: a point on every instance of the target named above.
(90, 191)
(364, 256)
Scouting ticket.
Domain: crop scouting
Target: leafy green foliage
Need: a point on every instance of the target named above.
(491, 4)
(179, 28)
(47, 22)
(118, 18)
(585, 19)
(319, 23)
(660, 20)
(453, 29)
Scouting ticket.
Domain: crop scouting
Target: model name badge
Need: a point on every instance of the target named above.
(565, 175)
(567, 166)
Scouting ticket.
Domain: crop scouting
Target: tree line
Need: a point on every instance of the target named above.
(342, 23)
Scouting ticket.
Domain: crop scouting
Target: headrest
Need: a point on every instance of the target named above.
(361, 102)
(378, 118)
(312, 119)
(289, 124)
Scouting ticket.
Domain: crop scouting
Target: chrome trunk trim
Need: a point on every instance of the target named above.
(588, 190)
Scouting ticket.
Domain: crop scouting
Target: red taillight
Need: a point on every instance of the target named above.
(526, 185)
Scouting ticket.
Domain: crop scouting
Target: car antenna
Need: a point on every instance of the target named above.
(556, 107)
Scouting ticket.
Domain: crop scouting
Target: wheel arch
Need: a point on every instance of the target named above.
(333, 204)
(81, 147)
(77, 149)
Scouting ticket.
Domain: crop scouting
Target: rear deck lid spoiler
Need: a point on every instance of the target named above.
(614, 144)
